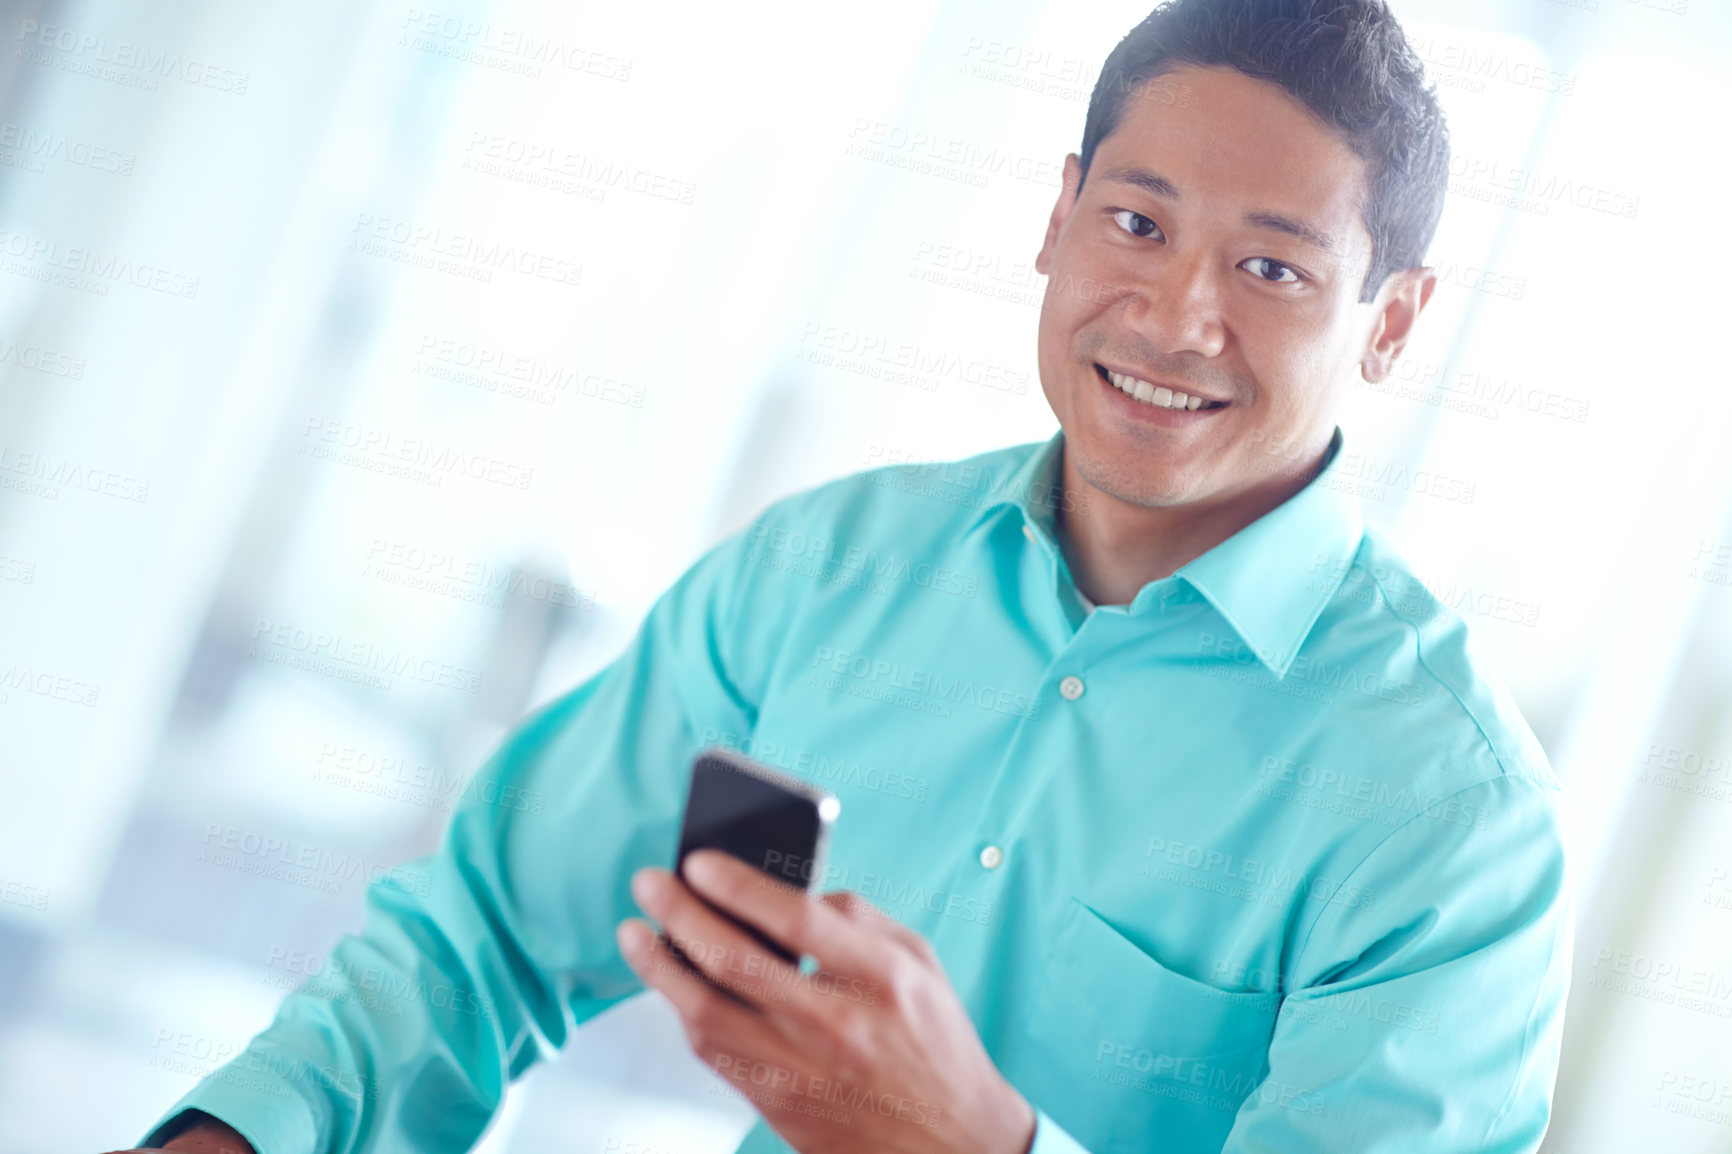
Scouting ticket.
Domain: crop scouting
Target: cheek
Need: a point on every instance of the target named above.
(1296, 361)
(1088, 278)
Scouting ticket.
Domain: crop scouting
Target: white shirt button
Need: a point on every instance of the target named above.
(1028, 531)
(1071, 688)
(991, 856)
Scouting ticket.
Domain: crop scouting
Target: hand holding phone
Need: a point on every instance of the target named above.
(770, 821)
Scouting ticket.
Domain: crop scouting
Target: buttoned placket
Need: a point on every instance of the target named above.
(993, 866)
(1024, 772)
(1022, 776)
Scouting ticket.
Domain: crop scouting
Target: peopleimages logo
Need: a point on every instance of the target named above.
(248, 851)
(792, 550)
(770, 1085)
(1669, 981)
(1315, 670)
(902, 362)
(1261, 880)
(31, 148)
(550, 165)
(409, 566)
(371, 985)
(348, 443)
(505, 48)
(42, 474)
(833, 768)
(418, 784)
(887, 676)
(17, 893)
(359, 660)
(1419, 597)
(499, 370)
(965, 483)
(16, 678)
(134, 64)
(38, 359)
(89, 269)
(947, 157)
(1364, 795)
(464, 254)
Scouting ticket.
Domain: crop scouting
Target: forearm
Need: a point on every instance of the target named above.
(478, 960)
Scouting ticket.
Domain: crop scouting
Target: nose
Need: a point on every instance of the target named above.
(1177, 305)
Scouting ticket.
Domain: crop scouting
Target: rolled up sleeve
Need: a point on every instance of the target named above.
(480, 959)
(1427, 1014)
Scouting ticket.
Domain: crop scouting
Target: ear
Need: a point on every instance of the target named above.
(1060, 212)
(1403, 297)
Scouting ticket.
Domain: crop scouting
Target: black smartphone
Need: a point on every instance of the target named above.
(772, 822)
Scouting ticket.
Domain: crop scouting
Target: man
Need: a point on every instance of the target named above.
(1176, 815)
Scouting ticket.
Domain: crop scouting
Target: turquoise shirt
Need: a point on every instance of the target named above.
(1262, 861)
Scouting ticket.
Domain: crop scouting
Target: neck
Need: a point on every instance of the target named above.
(1120, 546)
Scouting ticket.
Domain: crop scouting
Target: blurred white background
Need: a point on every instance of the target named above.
(623, 258)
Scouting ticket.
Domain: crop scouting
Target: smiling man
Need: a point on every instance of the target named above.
(1176, 817)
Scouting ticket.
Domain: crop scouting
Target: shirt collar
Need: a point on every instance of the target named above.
(1034, 487)
(1270, 580)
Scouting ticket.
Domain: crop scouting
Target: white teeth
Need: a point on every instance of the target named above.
(1157, 395)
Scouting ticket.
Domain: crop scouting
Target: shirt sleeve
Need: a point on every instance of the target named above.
(480, 959)
(1428, 1014)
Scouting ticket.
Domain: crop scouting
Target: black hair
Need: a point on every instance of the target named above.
(1348, 61)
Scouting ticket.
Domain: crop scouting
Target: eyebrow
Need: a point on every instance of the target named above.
(1155, 184)
(1309, 233)
(1152, 183)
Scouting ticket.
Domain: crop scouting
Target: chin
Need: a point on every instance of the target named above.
(1132, 480)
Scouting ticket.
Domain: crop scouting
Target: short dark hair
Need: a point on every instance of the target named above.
(1348, 61)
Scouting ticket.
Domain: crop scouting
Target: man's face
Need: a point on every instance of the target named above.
(1217, 249)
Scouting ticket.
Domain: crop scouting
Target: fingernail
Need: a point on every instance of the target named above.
(631, 939)
(702, 868)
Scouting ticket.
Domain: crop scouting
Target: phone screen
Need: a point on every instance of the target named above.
(766, 819)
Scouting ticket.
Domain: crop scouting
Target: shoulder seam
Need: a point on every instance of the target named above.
(1419, 653)
(1385, 840)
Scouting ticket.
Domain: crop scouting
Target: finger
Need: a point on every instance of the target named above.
(650, 954)
(732, 958)
(729, 1037)
(789, 916)
(770, 1079)
(849, 903)
(708, 1014)
(858, 909)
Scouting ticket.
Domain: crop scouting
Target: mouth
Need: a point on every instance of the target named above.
(1155, 396)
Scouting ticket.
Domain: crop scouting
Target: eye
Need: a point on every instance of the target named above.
(1284, 273)
(1135, 223)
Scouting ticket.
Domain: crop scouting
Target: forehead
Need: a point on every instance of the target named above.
(1231, 144)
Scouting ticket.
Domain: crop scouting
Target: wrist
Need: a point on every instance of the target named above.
(209, 1135)
(1017, 1135)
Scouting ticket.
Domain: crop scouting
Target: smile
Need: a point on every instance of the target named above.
(1155, 396)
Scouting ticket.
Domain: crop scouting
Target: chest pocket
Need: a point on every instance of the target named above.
(1129, 1055)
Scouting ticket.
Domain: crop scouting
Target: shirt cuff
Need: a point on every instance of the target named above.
(1050, 1138)
(264, 1108)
